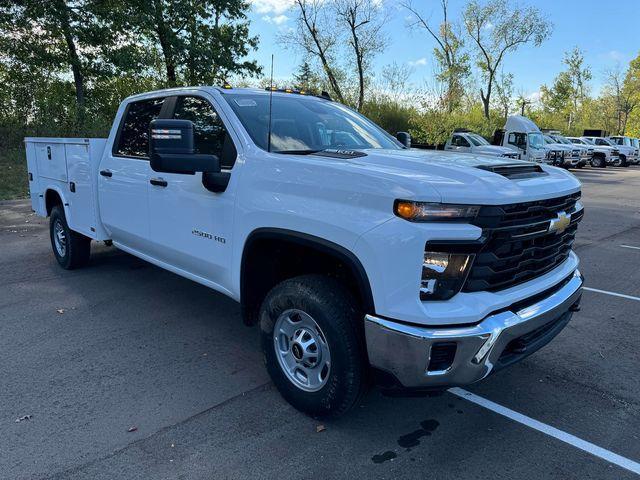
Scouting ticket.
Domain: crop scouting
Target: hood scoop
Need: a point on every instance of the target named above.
(515, 171)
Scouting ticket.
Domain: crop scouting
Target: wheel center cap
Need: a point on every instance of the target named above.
(296, 349)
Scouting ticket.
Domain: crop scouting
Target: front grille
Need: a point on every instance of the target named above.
(518, 245)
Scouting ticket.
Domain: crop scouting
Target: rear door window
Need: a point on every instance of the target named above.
(133, 140)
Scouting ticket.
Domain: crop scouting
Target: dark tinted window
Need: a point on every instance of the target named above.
(517, 139)
(134, 135)
(209, 132)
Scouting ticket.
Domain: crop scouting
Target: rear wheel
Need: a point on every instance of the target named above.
(313, 345)
(70, 248)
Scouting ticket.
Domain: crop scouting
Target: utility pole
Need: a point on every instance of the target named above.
(525, 102)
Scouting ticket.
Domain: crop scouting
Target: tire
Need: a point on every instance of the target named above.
(598, 162)
(337, 378)
(623, 161)
(71, 249)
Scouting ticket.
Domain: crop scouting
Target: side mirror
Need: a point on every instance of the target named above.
(404, 138)
(171, 149)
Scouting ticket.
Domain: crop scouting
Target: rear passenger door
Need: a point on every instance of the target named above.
(124, 176)
(191, 226)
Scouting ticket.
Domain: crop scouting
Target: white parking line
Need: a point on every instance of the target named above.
(630, 246)
(606, 292)
(549, 430)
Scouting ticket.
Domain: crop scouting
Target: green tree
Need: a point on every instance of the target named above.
(504, 92)
(59, 37)
(449, 52)
(199, 41)
(497, 28)
(629, 101)
(569, 90)
(306, 78)
(364, 21)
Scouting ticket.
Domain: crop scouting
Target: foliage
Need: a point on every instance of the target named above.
(498, 28)
(341, 37)
(13, 181)
(453, 61)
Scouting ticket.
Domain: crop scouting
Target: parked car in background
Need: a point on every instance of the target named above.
(627, 148)
(357, 257)
(601, 156)
(621, 158)
(524, 137)
(465, 141)
(586, 151)
(636, 143)
(570, 155)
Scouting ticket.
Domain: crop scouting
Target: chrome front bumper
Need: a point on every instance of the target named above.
(404, 351)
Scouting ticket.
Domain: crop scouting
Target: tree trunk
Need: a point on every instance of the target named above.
(485, 103)
(165, 43)
(311, 28)
(359, 62)
(74, 59)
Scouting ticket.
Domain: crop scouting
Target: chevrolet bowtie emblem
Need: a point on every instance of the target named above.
(560, 223)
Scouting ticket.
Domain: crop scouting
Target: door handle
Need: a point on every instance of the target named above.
(106, 173)
(158, 182)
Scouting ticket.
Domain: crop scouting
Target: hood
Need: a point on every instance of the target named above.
(558, 146)
(493, 150)
(460, 177)
(625, 149)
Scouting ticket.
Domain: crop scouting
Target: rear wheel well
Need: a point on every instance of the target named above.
(272, 255)
(51, 199)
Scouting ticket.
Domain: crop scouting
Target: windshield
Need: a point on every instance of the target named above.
(617, 140)
(548, 139)
(588, 141)
(561, 139)
(477, 140)
(605, 141)
(536, 140)
(636, 142)
(301, 124)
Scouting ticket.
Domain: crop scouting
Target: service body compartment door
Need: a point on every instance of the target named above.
(37, 200)
(51, 161)
(80, 197)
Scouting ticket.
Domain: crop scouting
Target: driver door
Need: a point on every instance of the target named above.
(190, 226)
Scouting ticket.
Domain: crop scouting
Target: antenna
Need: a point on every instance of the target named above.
(270, 105)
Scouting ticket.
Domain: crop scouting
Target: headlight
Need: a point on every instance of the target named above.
(433, 212)
(443, 274)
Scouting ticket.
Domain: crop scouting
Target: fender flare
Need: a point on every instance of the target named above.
(65, 204)
(347, 257)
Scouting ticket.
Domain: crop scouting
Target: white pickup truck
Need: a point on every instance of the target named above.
(465, 141)
(628, 150)
(359, 258)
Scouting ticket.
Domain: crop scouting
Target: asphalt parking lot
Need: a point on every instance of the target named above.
(123, 345)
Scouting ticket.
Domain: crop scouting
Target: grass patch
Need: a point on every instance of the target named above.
(13, 174)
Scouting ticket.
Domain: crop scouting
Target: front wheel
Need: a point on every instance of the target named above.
(598, 162)
(313, 345)
(70, 248)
